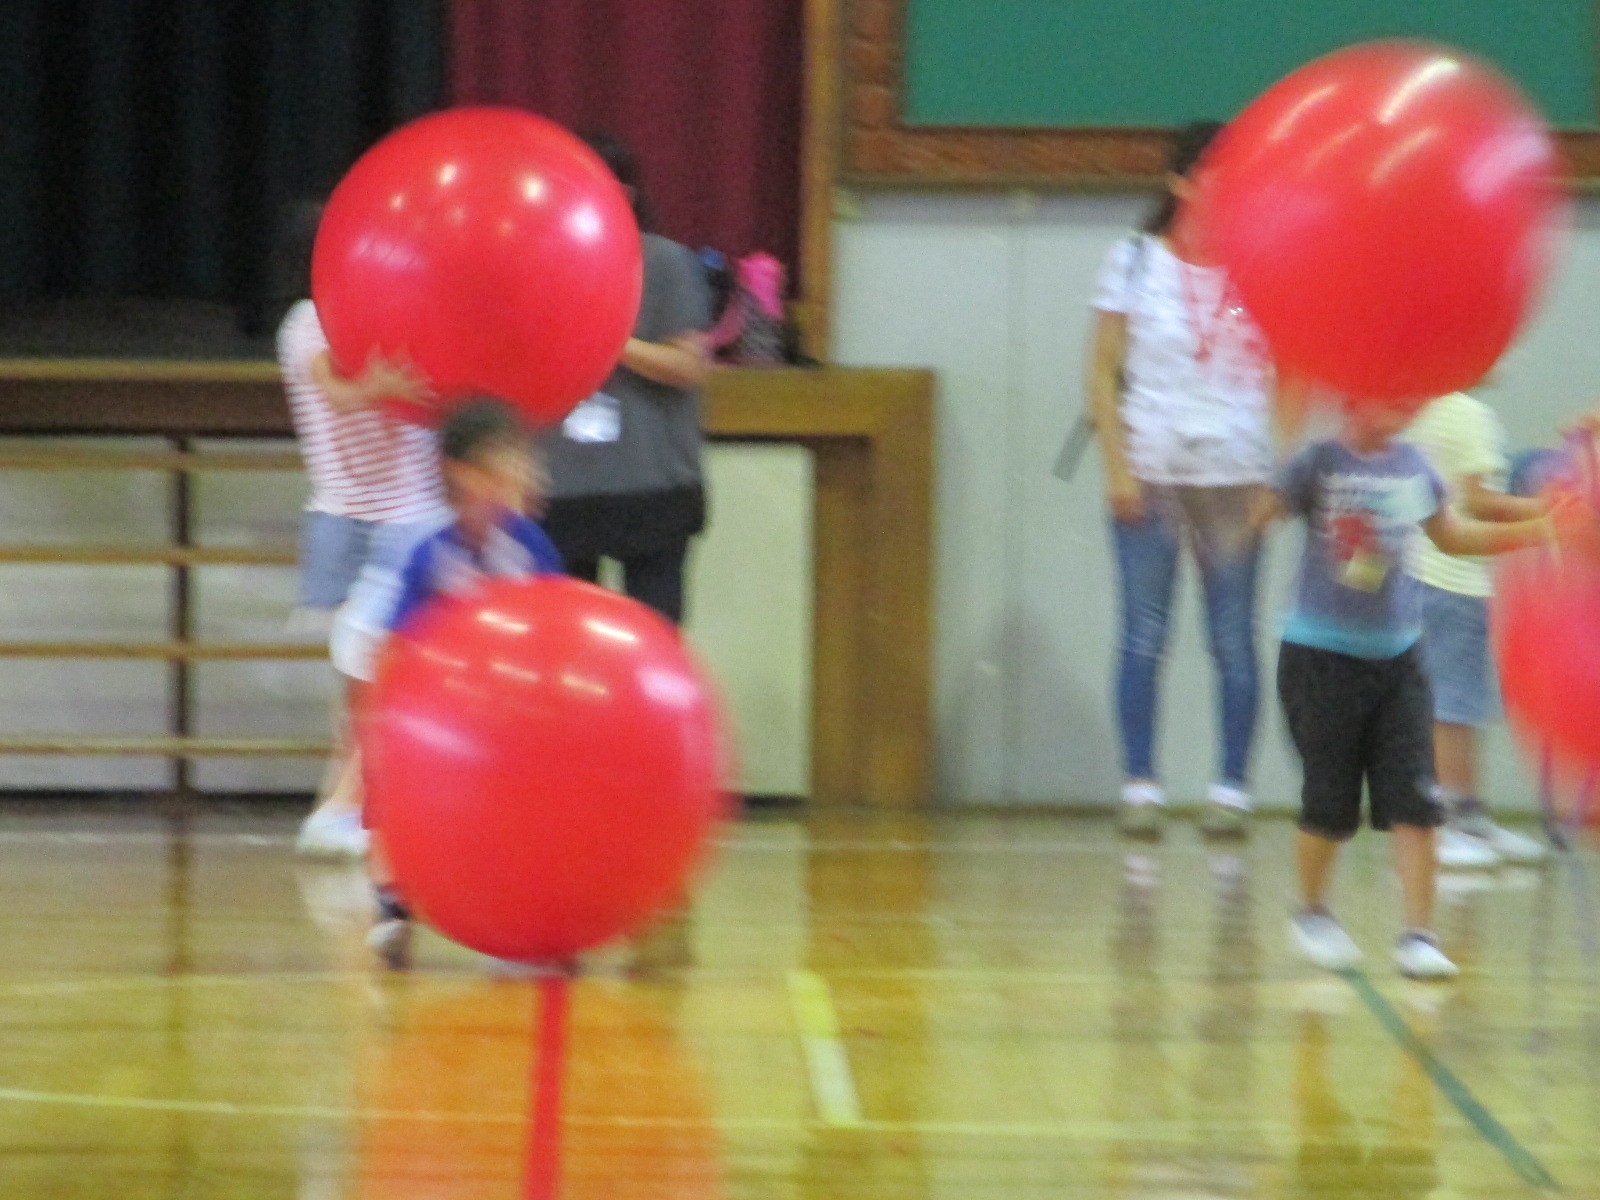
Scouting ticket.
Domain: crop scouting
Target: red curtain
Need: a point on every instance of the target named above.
(708, 92)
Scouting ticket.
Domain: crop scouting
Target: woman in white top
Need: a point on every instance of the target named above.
(1180, 387)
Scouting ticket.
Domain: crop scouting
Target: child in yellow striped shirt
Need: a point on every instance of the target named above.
(1464, 442)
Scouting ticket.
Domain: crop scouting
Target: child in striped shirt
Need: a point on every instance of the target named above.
(1464, 442)
(375, 492)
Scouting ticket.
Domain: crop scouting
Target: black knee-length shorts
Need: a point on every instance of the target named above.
(1355, 722)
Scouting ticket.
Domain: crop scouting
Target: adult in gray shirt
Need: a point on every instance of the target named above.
(625, 468)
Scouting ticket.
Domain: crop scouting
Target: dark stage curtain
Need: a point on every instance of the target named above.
(707, 91)
(150, 146)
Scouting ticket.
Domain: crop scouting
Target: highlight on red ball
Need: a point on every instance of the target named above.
(1389, 214)
(489, 247)
(545, 762)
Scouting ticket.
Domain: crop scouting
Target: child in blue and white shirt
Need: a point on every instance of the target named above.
(1350, 675)
(491, 478)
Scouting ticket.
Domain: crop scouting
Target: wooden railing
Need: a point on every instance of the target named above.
(178, 648)
(871, 433)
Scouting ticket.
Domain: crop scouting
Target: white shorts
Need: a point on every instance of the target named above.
(362, 622)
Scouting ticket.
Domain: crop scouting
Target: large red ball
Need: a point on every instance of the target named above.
(493, 248)
(1548, 641)
(543, 764)
(1387, 214)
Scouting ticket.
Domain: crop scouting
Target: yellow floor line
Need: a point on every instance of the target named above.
(833, 1085)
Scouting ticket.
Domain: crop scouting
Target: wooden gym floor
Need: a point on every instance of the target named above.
(972, 1007)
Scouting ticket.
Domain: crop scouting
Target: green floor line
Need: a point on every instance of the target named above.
(1518, 1156)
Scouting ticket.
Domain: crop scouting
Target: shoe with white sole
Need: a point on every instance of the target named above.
(1227, 812)
(390, 938)
(1143, 811)
(1417, 956)
(1510, 846)
(1323, 942)
(333, 835)
(1461, 851)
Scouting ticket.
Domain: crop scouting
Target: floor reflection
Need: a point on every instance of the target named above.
(1026, 1008)
(450, 1066)
(1341, 1155)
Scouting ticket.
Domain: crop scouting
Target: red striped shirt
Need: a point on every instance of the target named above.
(363, 464)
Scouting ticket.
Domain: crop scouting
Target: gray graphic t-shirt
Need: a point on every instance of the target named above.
(1362, 513)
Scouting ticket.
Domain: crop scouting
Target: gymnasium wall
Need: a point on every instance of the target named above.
(750, 618)
(991, 291)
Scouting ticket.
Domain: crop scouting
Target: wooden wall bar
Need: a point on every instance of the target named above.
(872, 435)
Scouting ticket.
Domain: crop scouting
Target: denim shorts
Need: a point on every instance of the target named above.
(332, 551)
(363, 619)
(1455, 653)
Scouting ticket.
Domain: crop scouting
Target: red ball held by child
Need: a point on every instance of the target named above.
(489, 247)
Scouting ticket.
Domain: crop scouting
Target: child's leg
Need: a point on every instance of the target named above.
(391, 927)
(1455, 656)
(332, 549)
(1416, 859)
(333, 828)
(1326, 706)
(1323, 700)
(1400, 778)
(1315, 856)
(1455, 752)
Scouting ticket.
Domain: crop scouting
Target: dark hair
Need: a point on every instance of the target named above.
(1189, 145)
(479, 426)
(624, 164)
(287, 278)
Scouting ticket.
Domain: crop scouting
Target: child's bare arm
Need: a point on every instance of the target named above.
(383, 379)
(1463, 537)
(1483, 503)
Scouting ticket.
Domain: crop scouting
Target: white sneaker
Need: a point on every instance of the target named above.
(1144, 806)
(1512, 847)
(1418, 956)
(334, 835)
(1323, 941)
(1462, 851)
(1227, 812)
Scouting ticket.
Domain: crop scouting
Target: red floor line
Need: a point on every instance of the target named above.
(553, 998)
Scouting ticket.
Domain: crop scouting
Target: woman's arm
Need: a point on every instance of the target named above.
(1108, 349)
(683, 361)
(1483, 503)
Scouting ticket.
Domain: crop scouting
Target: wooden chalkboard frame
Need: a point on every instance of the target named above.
(879, 149)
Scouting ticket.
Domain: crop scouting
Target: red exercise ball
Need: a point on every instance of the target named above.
(1547, 627)
(1388, 214)
(493, 248)
(543, 766)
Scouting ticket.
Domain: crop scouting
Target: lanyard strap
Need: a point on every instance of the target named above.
(1206, 323)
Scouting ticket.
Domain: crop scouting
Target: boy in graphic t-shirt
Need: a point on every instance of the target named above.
(1350, 676)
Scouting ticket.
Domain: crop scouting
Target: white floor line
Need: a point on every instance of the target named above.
(833, 1085)
(1177, 1129)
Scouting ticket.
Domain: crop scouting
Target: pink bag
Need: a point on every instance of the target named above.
(751, 331)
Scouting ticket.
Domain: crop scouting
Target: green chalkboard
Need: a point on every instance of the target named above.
(1127, 63)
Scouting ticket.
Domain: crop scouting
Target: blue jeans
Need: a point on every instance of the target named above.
(1215, 522)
